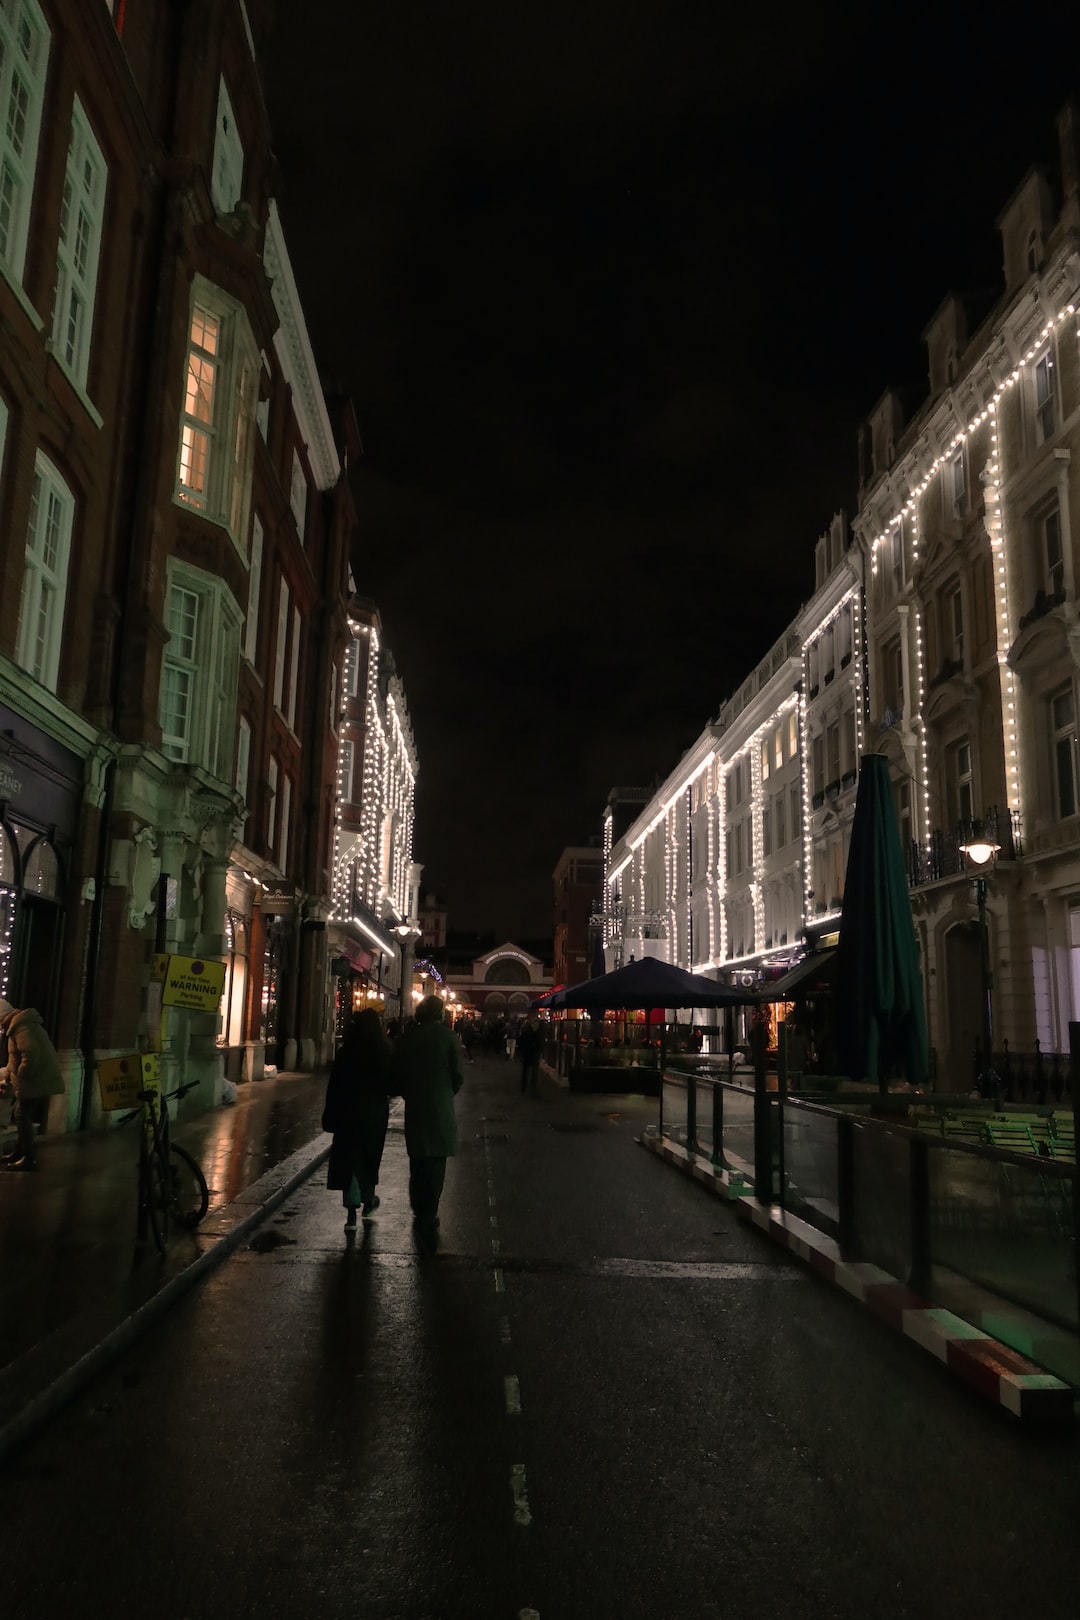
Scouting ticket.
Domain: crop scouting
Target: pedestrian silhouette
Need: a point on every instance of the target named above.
(428, 1071)
(356, 1112)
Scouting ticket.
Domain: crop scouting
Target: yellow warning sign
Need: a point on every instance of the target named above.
(193, 983)
(120, 1080)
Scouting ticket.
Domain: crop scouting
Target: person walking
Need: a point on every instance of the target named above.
(428, 1072)
(32, 1073)
(530, 1044)
(356, 1112)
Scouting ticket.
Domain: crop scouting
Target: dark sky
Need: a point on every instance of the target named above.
(612, 285)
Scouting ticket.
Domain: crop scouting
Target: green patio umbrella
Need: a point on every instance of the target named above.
(880, 1021)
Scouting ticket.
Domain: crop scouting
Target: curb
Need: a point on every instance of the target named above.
(280, 1182)
(994, 1370)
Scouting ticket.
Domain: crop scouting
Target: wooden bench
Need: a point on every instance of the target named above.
(1013, 1134)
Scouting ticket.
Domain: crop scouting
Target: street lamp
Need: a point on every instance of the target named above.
(407, 935)
(981, 851)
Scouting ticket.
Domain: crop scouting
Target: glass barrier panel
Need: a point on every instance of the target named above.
(810, 1189)
(882, 1198)
(1008, 1227)
(674, 1088)
(737, 1148)
(704, 1128)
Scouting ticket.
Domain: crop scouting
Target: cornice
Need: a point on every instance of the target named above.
(294, 351)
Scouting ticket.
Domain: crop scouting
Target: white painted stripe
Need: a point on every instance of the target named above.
(521, 1494)
(494, 1245)
(494, 1219)
(499, 1288)
(513, 1395)
(504, 1330)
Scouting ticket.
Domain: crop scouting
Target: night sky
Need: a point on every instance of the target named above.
(612, 286)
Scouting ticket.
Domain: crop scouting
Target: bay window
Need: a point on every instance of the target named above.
(197, 705)
(215, 452)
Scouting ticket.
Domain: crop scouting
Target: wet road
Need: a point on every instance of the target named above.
(605, 1396)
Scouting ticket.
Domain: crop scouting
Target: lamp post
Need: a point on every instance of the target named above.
(981, 851)
(407, 935)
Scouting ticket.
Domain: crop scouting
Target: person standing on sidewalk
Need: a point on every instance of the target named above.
(356, 1111)
(33, 1073)
(427, 1071)
(530, 1044)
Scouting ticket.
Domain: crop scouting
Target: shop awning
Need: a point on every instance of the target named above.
(809, 977)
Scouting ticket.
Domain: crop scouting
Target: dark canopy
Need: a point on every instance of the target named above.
(647, 983)
(880, 1023)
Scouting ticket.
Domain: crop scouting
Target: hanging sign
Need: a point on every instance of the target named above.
(123, 1079)
(192, 982)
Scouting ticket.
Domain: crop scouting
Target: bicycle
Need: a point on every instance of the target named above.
(172, 1186)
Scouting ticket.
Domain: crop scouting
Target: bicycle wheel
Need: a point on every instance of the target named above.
(190, 1194)
(156, 1197)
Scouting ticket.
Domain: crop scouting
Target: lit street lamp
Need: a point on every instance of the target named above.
(407, 935)
(981, 851)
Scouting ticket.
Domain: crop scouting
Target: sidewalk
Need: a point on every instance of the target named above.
(76, 1287)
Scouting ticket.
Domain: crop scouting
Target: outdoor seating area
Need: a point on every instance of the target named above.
(1050, 1135)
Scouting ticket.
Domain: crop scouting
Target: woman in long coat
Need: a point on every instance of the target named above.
(356, 1112)
(428, 1072)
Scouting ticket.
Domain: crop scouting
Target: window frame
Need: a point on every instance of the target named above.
(1063, 746)
(76, 285)
(18, 168)
(1045, 407)
(224, 496)
(227, 174)
(38, 651)
(210, 740)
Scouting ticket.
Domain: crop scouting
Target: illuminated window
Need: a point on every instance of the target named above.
(271, 802)
(24, 52)
(1063, 751)
(81, 212)
(954, 618)
(44, 585)
(197, 704)
(765, 760)
(216, 443)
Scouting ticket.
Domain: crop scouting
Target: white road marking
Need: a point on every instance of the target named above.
(513, 1395)
(521, 1494)
(504, 1330)
(494, 1219)
(499, 1286)
(494, 1245)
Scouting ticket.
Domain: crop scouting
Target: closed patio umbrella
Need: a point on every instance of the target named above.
(880, 1021)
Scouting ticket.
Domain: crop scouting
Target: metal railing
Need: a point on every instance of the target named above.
(938, 1214)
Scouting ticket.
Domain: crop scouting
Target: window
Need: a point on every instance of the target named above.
(44, 587)
(215, 453)
(793, 735)
(778, 747)
(1044, 396)
(958, 767)
(819, 764)
(765, 760)
(271, 802)
(281, 645)
(243, 757)
(298, 492)
(959, 485)
(345, 772)
(832, 750)
(24, 50)
(81, 213)
(781, 821)
(284, 821)
(796, 811)
(197, 706)
(1063, 744)
(228, 177)
(1053, 560)
(294, 664)
(251, 623)
(766, 832)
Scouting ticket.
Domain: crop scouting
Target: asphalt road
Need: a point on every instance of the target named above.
(604, 1397)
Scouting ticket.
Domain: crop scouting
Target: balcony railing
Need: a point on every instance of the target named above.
(942, 855)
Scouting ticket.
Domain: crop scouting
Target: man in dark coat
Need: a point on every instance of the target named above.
(427, 1071)
(356, 1112)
